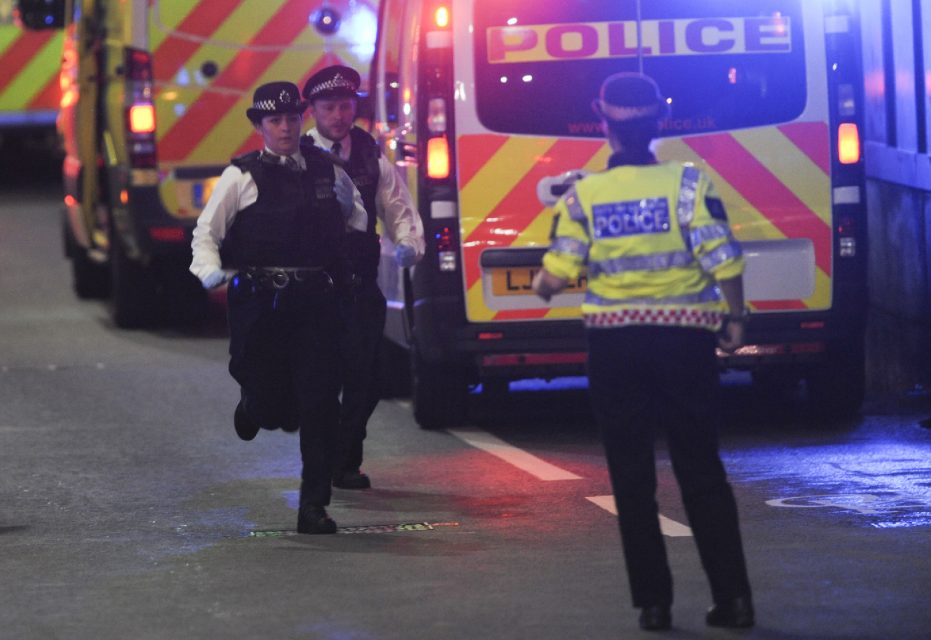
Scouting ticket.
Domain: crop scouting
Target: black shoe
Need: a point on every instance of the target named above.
(246, 428)
(734, 613)
(353, 479)
(314, 520)
(655, 618)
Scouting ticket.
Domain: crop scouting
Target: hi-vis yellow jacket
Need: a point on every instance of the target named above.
(655, 239)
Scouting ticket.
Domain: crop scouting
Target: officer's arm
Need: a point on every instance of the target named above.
(732, 335)
(350, 200)
(546, 285)
(396, 210)
(213, 223)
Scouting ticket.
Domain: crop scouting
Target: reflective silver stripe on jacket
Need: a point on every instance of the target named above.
(571, 246)
(721, 254)
(654, 262)
(711, 232)
(711, 293)
(685, 208)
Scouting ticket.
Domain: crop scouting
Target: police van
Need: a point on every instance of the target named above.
(485, 107)
(154, 95)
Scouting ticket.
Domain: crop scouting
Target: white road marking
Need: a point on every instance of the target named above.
(668, 526)
(512, 455)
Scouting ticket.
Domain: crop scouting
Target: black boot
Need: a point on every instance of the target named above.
(352, 479)
(655, 618)
(312, 519)
(735, 613)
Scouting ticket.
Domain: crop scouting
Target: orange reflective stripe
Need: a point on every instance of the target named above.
(20, 52)
(814, 139)
(202, 21)
(238, 77)
(756, 183)
(49, 97)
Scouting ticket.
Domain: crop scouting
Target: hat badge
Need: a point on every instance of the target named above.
(284, 97)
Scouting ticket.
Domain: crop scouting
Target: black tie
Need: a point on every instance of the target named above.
(337, 147)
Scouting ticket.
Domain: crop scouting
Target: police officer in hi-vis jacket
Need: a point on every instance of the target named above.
(276, 224)
(664, 289)
(333, 96)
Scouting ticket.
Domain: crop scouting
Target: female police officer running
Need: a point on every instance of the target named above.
(277, 219)
(664, 274)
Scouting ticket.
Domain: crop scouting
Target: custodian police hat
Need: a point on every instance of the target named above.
(630, 96)
(333, 82)
(275, 97)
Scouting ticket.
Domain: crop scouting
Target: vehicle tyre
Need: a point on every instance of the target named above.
(134, 294)
(439, 393)
(394, 370)
(837, 387)
(90, 280)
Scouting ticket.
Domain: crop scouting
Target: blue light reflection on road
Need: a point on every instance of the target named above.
(869, 482)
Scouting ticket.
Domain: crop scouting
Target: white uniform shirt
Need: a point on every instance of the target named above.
(236, 190)
(393, 204)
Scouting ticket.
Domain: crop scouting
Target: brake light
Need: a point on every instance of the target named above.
(140, 109)
(441, 17)
(142, 118)
(848, 143)
(438, 158)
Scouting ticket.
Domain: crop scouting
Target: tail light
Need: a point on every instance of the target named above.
(438, 158)
(848, 143)
(140, 110)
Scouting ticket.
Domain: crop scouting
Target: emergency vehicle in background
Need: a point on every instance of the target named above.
(29, 63)
(487, 103)
(153, 108)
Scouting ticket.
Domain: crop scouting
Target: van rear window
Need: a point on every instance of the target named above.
(723, 64)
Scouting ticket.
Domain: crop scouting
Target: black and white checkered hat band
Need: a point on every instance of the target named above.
(264, 105)
(336, 82)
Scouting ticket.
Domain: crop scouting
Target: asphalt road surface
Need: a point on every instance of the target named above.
(129, 509)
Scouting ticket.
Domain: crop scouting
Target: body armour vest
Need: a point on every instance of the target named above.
(296, 221)
(364, 249)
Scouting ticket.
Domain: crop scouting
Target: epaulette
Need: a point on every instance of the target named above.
(244, 160)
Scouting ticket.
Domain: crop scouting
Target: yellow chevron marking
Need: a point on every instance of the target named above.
(8, 35)
(746, 220)
(791, 167)
(33, 77)
(166, 19)
(239, 27)
(475, 304)
(233, 129)
(821, 298)
(497, 178)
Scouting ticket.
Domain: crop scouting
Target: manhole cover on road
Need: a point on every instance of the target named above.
(369, 528)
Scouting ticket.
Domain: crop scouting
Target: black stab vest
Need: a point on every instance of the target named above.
(296, 221)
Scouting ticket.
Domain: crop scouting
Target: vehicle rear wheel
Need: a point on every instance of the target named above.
(134, 295)
(439, 393)
(837, 387)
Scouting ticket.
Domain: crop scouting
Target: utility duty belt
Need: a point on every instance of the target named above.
(315, 279)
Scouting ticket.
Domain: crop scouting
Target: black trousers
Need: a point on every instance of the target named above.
(360, 349)
(641, 378)
(284, 353)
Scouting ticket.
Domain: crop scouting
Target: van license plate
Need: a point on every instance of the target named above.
(516, 281)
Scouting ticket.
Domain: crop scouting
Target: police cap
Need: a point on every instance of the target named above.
(630, 96)
(337, 81)
(275, 97)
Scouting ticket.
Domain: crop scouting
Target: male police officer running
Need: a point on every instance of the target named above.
(278, 219)
(333, 96)
(660, 254)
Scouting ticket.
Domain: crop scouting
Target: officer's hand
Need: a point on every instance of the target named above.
(405, 255)
(731, 337)
(214, 279)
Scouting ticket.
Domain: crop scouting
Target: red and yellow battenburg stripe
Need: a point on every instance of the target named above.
(29, 63)
(201, 119)
(775, 182)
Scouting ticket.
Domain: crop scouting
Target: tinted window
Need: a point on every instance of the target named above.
(724, 65)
